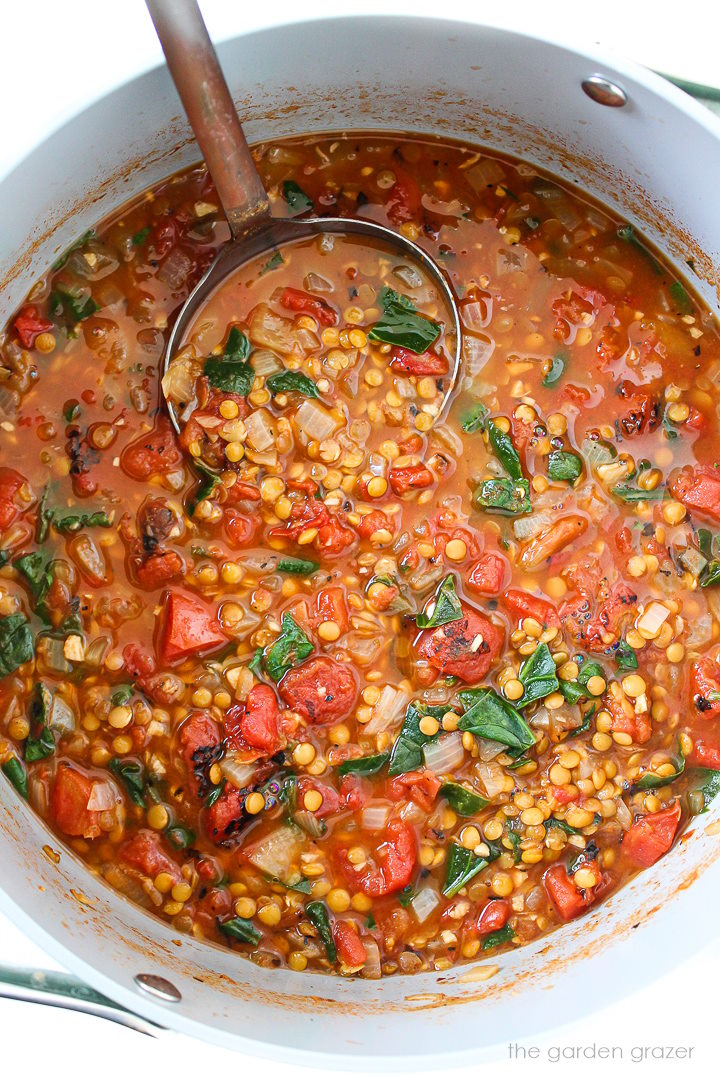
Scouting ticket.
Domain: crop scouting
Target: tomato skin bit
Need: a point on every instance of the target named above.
(154, 452)
(410, 478)
(322, 690)
(563, 893)
(350, 949)
(421, 786)
(420, 364)
(449, 649)
(698, 488)
(705, 685)
(307, 304)
(373, 522)
(405, 198)
(255, 724)
(651, 836)
(199, 737)
(68, 803)
(330, 606)
(523, 605)
(10, 484)
(493, 916)
(29, 324)
(144, 852)
(187, 627)
(396, 858)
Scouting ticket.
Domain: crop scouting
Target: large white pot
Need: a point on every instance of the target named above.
(657, 162)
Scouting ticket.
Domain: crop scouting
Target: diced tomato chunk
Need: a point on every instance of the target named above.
(153, 453)
(493, 916)
(375, 521)
(330, 798)
(410, 478)
(329, 606)
(563, 893)
(10, 484)
(396, 857)
(640, 411)
(227, 816)
(144, 852)
(187, 627)
(466, 647)
(159, 569)
(698, 488)
(70, 796)
(138, 660)
(420, 785)
(524, 605)
(405, 198)
(29, 324)
(240, 528)
(638, 725)
(705, 687)
(199, 739)
(489, 574)
(297, 300)
(350, 948)
(420, 364)
(322, 690)
(651, 836)
(255, 724)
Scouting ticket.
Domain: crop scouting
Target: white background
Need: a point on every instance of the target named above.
(57, 56)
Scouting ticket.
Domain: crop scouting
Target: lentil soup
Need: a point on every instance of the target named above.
(337, 677)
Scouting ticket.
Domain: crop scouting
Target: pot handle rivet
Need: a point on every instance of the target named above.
(158, 987)
(604, 91)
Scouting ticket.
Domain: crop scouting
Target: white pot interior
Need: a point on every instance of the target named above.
(503, 91)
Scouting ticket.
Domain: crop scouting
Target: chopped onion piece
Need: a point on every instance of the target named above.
(412, 813)
(62, 717)
(596, 453)
(271, 330)
(239, 773)
(476, 353)
(387, 710)
(374, 815)
(314, 421)
(693, 561)
(424, 904)
(444, 754)
(700, 629)
(314, 283)
(528, 527)
(491, 776)
(652, 619)
(103, 796)
(475, 315)
(178, 382)
(488, 749)
(260, 430)
(409, 276)
(371, 968)
(623, 815)
(265, 362)
(278, 853)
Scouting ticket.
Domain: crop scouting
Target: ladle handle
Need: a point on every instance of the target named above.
(199, 80)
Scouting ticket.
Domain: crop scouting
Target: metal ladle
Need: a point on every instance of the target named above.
(199, 80)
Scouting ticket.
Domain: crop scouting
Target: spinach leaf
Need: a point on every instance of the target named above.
(230, 372)
(503, 449)
(121, 694)
(683, 303)
(16, 643)
(538, 676)
(711, 575)
(464, 865)
(557, 368)
(445, 608)
(241, 930)
(564, 465)
(287, 381)
(401, 325)
(255, 664)
(463, 801)
(132, 775)
(491, 717)
(66, 521)
(16, 774)
(295, 197)
(71, 304)
(37, 569)
(407, 895)
(303, 567)
(650, 781)
(631, 494)
(180, 836)
(558, 823)
(206, 486)
(273, 262)
(42, 746)
(215, 793)
(625, 657)
(40, 705)
(573, 691)
(708, 784)
(289, 649)
(317, 913)
(515, 841)
(364, 766)
(407, 752)
(503, 496)
(474, 420)
(498, 937)
(141, 236)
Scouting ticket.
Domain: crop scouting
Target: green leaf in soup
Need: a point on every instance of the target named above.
(577, 689)
(292, 647)
(121, 694)
(296, 199)
(206, 486)
(558, 823)
(625, 657)
(364, 766)
(498, 937)
(401, 325)
(302, 567)
(140, 236)
(538, 676)
(706, 783)
(67, 521)
(14, 769)
(215, 793)
(40, 705)
(463, 865)
(79, 243)
(407, 752)
(273, 262)
(564, 465)
(444, 609)
(255, 664)
(557, 369)
(632, 495)
(463, 801)
(284, 382)
(503, 496)
(502, 447)
(650, 781)
(37, 569)
(16, 643)
(180, 836)
(491, 717)
(680, 298)
(474, 419)
(711, 575)
(73, 306)
(318, 915)
(241, 930)
(132, 775)
(230, 372)
(40, 746)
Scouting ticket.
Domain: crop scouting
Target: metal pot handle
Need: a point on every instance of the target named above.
(63, 991)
